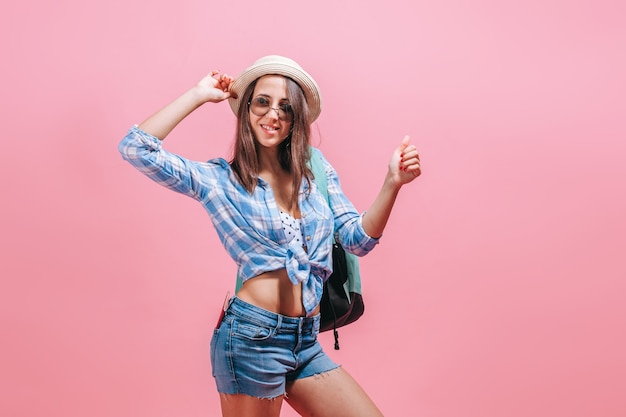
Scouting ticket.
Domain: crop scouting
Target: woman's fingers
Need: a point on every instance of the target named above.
(409, 157)
(215, 80)
(225, 81)
(410, 160)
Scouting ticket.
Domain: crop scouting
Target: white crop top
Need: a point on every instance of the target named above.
(293, 228)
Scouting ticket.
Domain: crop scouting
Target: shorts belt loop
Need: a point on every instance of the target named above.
(279, 322)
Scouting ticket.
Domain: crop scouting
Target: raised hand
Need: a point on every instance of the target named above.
(215, 87)
(405, 162)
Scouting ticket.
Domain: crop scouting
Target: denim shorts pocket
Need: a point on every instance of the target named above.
(213, 349)
(251, 331)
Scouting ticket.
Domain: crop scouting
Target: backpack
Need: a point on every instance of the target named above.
(342, 300)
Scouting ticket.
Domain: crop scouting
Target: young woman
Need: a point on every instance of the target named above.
(278, 228)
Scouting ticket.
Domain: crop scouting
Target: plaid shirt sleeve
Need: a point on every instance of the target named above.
(145, 153)
(348, 222)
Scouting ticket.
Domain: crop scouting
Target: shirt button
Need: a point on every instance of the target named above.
(303, 215)
(308, 238)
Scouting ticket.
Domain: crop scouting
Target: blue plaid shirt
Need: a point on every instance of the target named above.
(248, 224)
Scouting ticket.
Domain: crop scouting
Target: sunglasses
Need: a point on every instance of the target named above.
(260, 106)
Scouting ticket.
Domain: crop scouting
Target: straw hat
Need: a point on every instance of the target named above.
(278, 65)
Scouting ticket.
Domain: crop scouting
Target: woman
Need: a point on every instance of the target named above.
(278, 228)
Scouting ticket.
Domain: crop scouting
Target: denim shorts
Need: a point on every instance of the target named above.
(256, 352)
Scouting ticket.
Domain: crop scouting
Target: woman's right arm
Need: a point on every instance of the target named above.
(208, 89)
(142, 146)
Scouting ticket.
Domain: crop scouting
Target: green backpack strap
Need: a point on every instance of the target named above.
(238, 284)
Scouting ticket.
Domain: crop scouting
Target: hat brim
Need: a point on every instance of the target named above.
(304, 80)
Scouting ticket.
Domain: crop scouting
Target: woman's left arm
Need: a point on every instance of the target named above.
(404, 167)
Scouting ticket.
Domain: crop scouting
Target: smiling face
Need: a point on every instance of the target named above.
(268, 129)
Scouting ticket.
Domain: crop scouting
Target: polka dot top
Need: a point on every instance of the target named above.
(293, 228)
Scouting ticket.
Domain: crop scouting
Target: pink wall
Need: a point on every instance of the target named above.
(498, 289)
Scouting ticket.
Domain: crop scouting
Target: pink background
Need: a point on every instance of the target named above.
(498, 288)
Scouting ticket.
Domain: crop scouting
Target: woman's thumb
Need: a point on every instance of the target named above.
(404, 143)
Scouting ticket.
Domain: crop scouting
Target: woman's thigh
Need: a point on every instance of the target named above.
(333, 393)
(239, 405)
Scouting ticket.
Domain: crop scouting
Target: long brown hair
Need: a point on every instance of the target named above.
(293, 152)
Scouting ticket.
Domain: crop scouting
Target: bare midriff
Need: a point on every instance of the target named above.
(274, 291)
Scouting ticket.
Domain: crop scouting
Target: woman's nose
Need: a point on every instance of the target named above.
(273, 113)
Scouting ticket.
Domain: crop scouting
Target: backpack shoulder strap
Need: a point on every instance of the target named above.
(319, 171)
